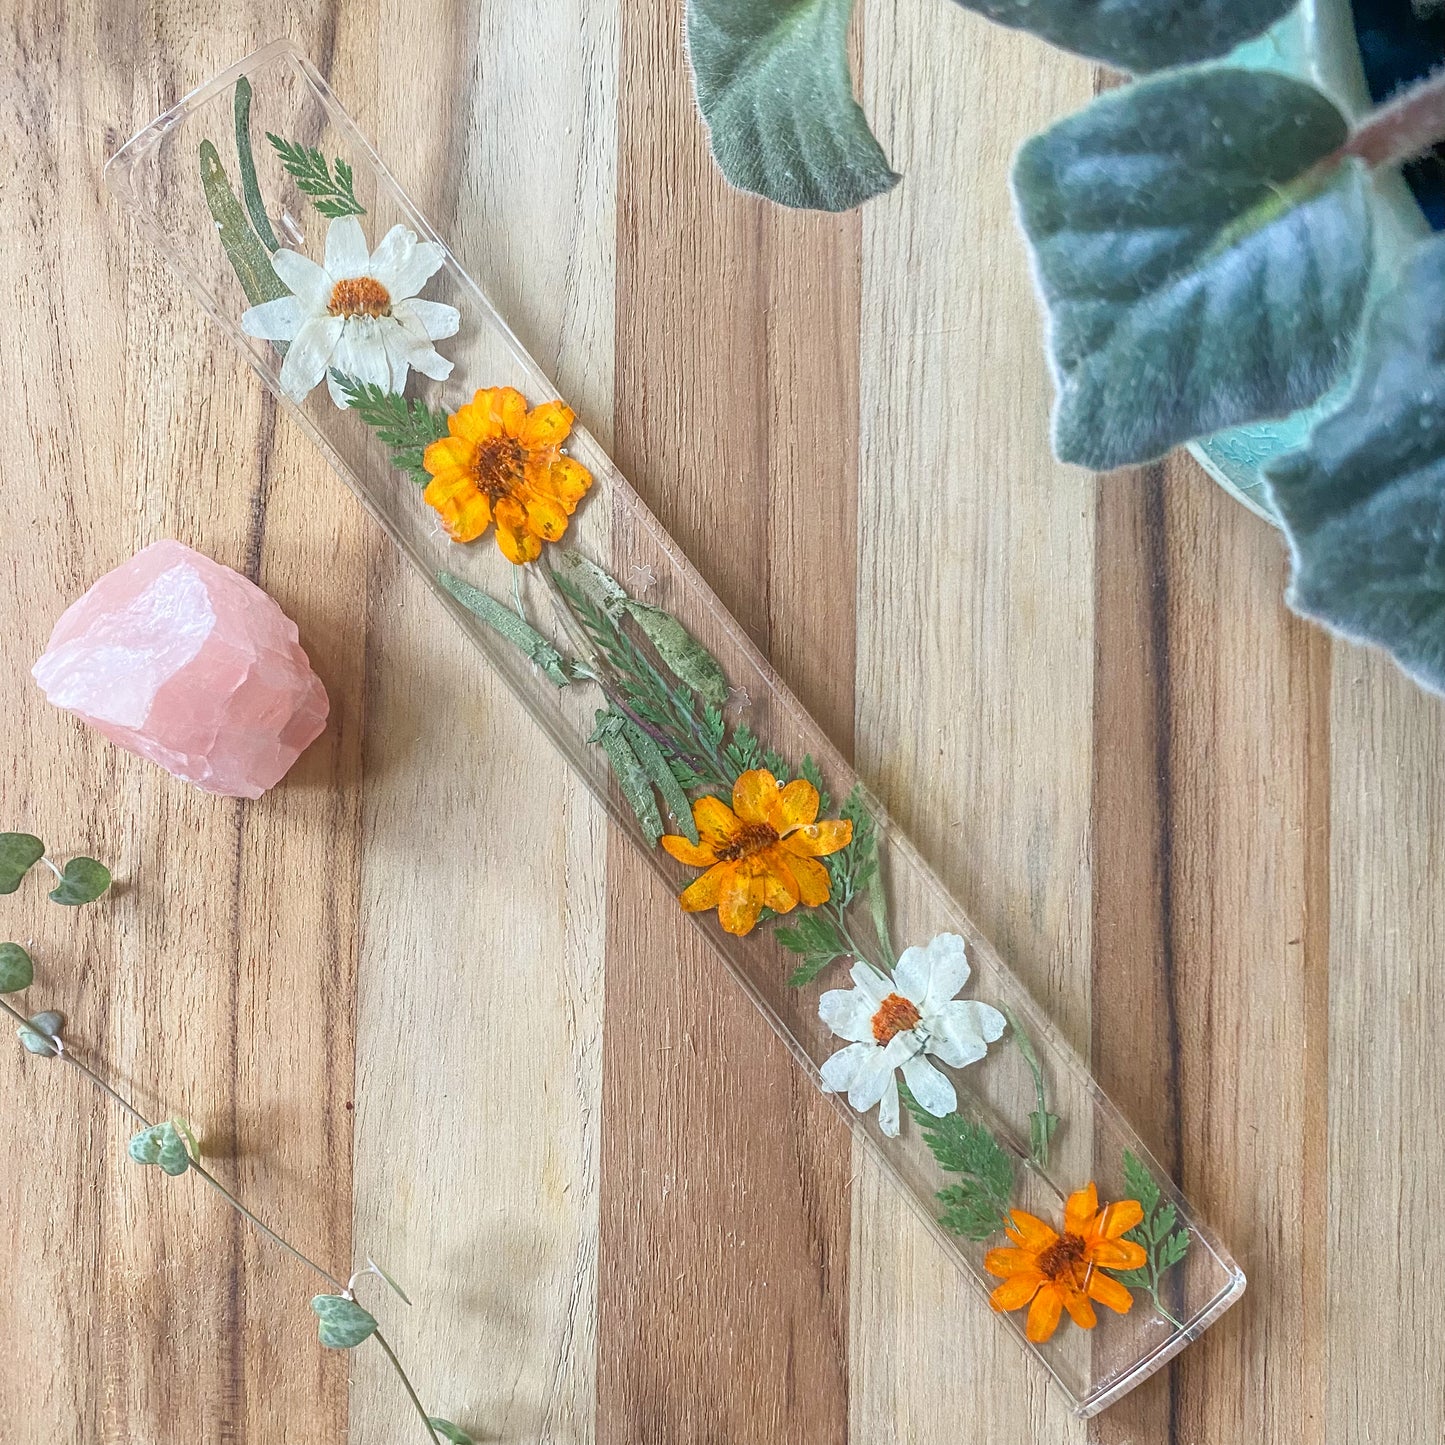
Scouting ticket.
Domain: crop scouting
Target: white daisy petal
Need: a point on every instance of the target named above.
(311, 285)
(842, 1068)
(403, 264)
(849, 1013)
(309, 355)
(430, 319)
(874, 1074)
(425, 358)
(346, 253)
(275, 320)
(361, 352)
(930, 1087)
(888, 1109)
(870, 984)
(931, 976)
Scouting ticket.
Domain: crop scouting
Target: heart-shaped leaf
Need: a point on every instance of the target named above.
(163, 1146)
(83, 881)
(343, 1322)
(16, 970)
(448, 1431)
(1138, 35)
(1363, 501)
(19, 853)
(772, 82)
(40, 1038)
(1199, 270)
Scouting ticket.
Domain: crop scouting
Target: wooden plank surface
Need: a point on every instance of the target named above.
(487, 1055)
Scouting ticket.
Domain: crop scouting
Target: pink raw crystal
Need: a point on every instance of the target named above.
(185, 662)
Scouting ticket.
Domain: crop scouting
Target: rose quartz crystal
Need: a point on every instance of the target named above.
(185, 662)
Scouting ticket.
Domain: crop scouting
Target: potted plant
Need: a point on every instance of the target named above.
(1226, 251)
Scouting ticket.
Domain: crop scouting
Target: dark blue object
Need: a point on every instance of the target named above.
(1398, 46)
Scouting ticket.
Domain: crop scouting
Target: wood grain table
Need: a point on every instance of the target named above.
(479, 1045)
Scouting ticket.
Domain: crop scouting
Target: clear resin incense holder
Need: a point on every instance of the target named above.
(279, 216)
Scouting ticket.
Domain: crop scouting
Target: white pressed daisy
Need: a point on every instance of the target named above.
(358, 314)
(891, 1025)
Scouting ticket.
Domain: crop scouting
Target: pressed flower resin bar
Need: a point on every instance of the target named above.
(260, 192)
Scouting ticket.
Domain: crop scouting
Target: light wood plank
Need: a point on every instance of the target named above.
(975, 641)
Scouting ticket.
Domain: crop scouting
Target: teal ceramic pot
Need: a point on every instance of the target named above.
(1317, 43)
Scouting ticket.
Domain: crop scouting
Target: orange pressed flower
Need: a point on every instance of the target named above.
(1053, 1272)
(761, 852)
(503, 464)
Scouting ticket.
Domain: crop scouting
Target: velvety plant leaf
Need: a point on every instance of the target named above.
(1138, 35)
(16, 970)
(19, 853)
(1198, 272)
(163, 1146)
(83, 881)
(773, 85)
(687, 659)
(343, 1324)
(40, 1037)
(1363, 501)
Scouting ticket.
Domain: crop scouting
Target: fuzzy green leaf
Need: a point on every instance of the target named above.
(44, 1030)
(611, 732)
(504, 621)
(331, 193)
(163, 1146)
(601, 589)
(454, 1433)
(1198, 271)
(684, 656)
(17, 972)
(343, 1323)
(978, 1206)
(647, 752)
(1363, 502)
(248, 257)
(82, 881)
(1138, 35)
(773, 85)
(19, 853)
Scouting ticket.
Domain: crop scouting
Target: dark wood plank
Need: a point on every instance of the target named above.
(724, 1226)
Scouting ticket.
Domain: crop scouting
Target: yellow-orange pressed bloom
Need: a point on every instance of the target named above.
(1052, 1272)
(503, 465)
(761, 852)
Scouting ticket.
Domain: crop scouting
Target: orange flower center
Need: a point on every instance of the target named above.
(360, 296)
(895, 1014)
(1060, 1261)
(498, 467)
(749, 839)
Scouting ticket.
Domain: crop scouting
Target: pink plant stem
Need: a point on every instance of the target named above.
(1407, 127)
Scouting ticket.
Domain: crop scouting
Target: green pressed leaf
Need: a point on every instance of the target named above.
(40, 1038)
(250, 189)
(454, 1433)
(977, 1207)
(333, 194)
(83, 880)
(686, 658)
(162, 1145)
(408, 428)
(1138, 35)
(16, 970)
(1363, 502)
(598, 587)
(343, 1323)
(248, 257)
(632, 779)
(1197, 271)
(659, 771)
(19, 853)
(773, 85)
(504, 621)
